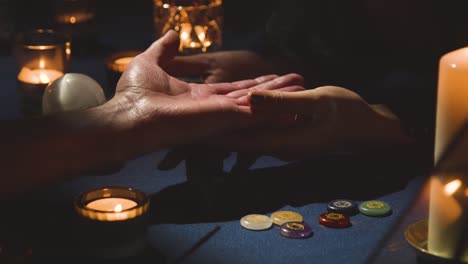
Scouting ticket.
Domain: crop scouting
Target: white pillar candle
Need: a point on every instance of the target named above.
(452, 111)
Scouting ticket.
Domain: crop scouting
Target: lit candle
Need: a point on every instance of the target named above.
(115, 65)
(121, 64)
(111, 204)
(38, 76)
(452, 98)
(74, 17)
(112, 221)
(445, 211)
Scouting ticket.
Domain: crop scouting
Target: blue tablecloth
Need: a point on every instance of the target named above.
(184, 211)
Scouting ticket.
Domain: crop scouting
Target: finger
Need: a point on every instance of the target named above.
(244, 161)
(302, 102)
(225, 88)
(164, 49)
(245, 100)
(193, 65)
(173, 158)
(280, 82)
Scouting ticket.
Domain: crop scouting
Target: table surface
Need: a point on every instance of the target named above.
(184, 211)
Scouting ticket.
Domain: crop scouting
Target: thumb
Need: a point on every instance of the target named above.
(277, 102)
(164, 49)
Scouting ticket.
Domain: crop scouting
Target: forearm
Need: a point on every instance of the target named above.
(42, 151)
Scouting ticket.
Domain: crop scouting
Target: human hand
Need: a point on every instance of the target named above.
(221, 66)
(327, 118)
(167, 111)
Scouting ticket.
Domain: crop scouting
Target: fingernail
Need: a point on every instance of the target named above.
(256, 99)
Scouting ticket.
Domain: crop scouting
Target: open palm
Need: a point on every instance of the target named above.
(182, 112)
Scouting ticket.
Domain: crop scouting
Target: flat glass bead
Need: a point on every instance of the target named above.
(296, 230)
(281, 217)
(334, 220)
(256, 222)
(343, 206)
(375, 208)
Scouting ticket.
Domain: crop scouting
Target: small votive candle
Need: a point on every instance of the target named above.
(42, 57)
(113, 221)
(115, 65)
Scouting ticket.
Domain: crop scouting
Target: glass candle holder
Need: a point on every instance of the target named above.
(42, 55)
(115, 65)
(198, 22)
(448, 206)
(112, 222)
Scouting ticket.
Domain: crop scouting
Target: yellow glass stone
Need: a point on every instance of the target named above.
(256, 222)
(281, 217)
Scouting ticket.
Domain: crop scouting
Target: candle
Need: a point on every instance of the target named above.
(452, 98)
(121, 64)
(445, 211)
(199, 23)
(42, 56)
(112, 221)
(38, 76)
(116, 208)
(108, 205)
(111, 204)
(115, 65)
(74, 17)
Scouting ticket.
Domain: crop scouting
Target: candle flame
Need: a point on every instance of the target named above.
(41, 64)
(118, 208)
(451, 187)
(72, 20)
(44, 78)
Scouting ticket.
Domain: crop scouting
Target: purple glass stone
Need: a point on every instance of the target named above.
(296, 230)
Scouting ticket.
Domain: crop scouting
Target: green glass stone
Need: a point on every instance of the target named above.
(375, 208)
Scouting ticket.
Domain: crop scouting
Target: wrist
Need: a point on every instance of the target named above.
(390, 126)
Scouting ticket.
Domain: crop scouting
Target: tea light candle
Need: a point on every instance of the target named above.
(38, 76)
(117, 208)
(115, 65)
(113, 221)
(112, 204)
(74, 17)
(452, 111)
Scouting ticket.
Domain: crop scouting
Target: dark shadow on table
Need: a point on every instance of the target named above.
(226, 196)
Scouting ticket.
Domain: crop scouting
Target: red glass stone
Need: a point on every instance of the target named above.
(334, 220)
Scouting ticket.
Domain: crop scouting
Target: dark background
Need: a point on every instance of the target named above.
(122, 25)
(119, 25)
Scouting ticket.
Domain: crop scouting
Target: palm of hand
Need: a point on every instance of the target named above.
(180, 112)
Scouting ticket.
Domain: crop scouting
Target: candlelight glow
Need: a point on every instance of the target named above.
(72, 20)
(123, 61)
(184, 36)
(44, 78)
(118, 208)
(200, 33)
(466, 192)
(41, 64)
(451, 187)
